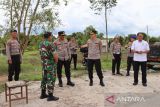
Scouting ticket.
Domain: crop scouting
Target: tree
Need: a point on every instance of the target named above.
(98, 5)
(82, 37)
(88, 29)
(31, 16)
(100, 35)
(152, 40)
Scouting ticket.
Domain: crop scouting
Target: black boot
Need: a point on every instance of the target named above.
(60, 83)
(135, 83)
(43, 94)
(91, 82)
(120, 74)
(52, 98)
(144, 84)
(127, 73)
(102, 83)
(70, 83)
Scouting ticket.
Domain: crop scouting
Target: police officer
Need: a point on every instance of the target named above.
(14, 56)
(94, 53)
(73, 49)
(49, 59)
(115, 49)
(64, 58)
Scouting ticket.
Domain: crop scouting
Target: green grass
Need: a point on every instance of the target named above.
(1, 87)
(31, 66)
(3, 65)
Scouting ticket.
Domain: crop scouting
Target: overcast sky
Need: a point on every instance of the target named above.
(129, 16)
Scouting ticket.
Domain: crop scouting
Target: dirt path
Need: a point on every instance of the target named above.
(3, 78)
(82, 95)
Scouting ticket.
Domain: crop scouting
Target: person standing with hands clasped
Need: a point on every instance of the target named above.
(14, 56)
(115, 49)
(64, 57)
(130, 54)
(73, 49)
(140, 48)
(94, 52)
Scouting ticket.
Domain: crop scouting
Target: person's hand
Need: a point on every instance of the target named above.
(56, 57)
(140, 52)
(10, 61)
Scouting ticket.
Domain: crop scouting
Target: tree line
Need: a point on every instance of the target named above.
(81, 38)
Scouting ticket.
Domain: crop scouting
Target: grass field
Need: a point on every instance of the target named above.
(31, 66)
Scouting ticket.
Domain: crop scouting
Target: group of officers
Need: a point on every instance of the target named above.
(55, 55)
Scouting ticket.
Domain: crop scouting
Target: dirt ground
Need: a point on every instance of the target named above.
(83, 95)
(3, 78)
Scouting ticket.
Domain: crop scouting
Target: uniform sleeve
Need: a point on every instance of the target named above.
(69, 51)
(133, 46)
(53, 48)
(88, 43)
(100, 46)
(111, 47)
(71, 47)
(21, 55)
(8, 52)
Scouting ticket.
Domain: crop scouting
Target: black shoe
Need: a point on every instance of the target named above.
(144, 84)
(60, 83)
(120, 74)
(52, 98)
(127, 74)
(102, 84)
(113, 74)
(70, 83)
(91, 83)
(135, 83)
(43, 94)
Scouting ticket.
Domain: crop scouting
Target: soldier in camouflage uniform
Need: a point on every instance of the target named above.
(49, 59)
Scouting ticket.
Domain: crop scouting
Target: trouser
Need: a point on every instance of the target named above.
(14, 68)
(74, 57)
(143, 69)
(129, 64)
(48, 79)
(116, 63)
(97, 63)
(66, 64)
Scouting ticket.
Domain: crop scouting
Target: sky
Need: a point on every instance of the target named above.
(128, 17)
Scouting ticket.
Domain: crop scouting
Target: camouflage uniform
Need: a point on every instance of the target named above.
(49, 67)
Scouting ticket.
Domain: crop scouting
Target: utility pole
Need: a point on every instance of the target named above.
(106, 22)
(147, 34)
